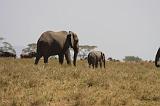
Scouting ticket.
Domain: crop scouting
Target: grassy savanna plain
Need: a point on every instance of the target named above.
(129, 84)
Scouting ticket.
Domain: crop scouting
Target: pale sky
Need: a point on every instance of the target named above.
(118, 27)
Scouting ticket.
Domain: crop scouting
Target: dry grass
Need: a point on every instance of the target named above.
(131, 84)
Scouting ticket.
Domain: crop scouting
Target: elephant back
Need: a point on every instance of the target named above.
(91, 57)
(98, 54)
(51, 35)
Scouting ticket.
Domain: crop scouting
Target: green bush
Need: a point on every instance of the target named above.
(132, 58)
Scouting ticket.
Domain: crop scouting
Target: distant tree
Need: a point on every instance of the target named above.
(1, 38)
(84, 50)
(25, 50)
(87, 47)
(1, 47)
(132, 58)
(30, 48)
(6, 46)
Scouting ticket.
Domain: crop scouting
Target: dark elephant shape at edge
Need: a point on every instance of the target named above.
(157, 58)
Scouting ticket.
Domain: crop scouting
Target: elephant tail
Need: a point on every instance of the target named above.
(89, 57)
(39, 47)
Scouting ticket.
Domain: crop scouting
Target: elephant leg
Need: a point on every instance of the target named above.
(93, 65)
(68, 57)
(104, 63)
(100, 63)
(96, 64)
(37, 59)
(89, 65)
(61, 58)
(45, 59)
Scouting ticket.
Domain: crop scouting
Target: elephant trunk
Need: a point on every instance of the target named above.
(104, 62)
(75, 58)
(103, 59)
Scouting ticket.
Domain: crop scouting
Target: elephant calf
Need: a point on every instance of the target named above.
(95, 58)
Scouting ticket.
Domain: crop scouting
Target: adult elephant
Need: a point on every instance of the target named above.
(57, 43)
(95, 57)
(157, 58)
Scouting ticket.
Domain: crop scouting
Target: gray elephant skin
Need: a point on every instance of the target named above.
(157, 58)
(57, 43)
(95, 58)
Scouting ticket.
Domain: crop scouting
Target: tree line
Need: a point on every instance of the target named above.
(30, 49)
